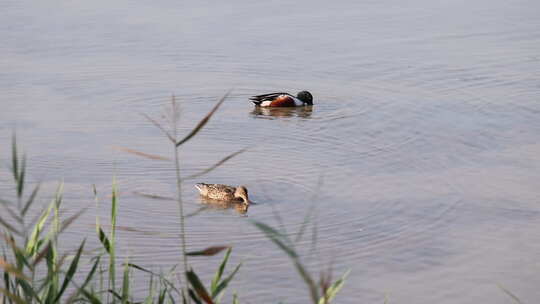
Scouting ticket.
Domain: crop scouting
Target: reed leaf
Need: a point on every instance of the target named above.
(9, 227)
(71, 271)
(125, 284)
(167, 282)
(104, 240)
(12, 214)
(307, 279)
(159, 126)
(332, 291)
(216, 165)
(38, 257)
(275, 236)
(203, 121)
(304, 224)
(88, 279)
(33, 242)
(90, 296)
(20, 179)
(15, 298)
(161, 297)
(194, 297)
(115, 294)
(219, 272)
(153, 196)
(142, 154)
(112, 237)
(66, 223)
(12, 270)
(198, 286)
(510, 294)
(223, 284)
(30, 200)
(196, 212)
(210, 251)
(14, 156)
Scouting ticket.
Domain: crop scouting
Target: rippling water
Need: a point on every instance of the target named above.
(420, 158)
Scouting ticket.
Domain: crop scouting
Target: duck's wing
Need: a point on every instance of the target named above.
(258, 99)
(220, 192)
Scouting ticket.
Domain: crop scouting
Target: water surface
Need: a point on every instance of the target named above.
(420, 158)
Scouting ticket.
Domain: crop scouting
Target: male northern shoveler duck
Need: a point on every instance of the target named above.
(224, 193)
(303, 98)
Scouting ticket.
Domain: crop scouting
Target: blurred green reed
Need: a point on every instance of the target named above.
(35, 271)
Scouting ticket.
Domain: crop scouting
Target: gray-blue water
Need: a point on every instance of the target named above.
(421, 156)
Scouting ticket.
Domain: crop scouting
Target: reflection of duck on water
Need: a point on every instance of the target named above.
(303, 112)
(225, 197)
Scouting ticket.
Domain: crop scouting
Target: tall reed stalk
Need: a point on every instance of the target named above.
(175, 115)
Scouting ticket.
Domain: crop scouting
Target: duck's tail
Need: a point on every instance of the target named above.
(258, 99)
(200, 187)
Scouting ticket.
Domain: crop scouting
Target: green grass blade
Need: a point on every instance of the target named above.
(219, 272)
(39, 256)
(203, 121)
(30, 199)
(125, 284)
(9, 227)
(334, 289)
(90, 275)
(7, 279)
(12, 214)
(163, 279)
(90, 296)
(161, 298)
(32, 246)
(198, 286)
(307, 278)
(305, 222)
(216, 165)
(510, 294)
(88, 279)
(14, 157)
(71, 271)
(104, 240)
(12, 270)
(223, 284)
(20, 180)
(276, 237)
(115, 294)
(52, 274)
(171, 297)
(112, 238)
(66, 223)
(29, 291)
(194, 297)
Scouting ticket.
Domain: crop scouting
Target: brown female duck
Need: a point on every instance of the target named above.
(224, 193)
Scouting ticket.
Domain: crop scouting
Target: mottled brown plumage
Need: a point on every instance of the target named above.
(223, 192)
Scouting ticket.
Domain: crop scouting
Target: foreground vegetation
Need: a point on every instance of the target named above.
(35, 271)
